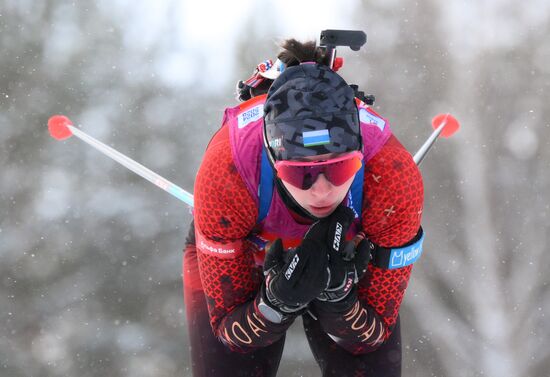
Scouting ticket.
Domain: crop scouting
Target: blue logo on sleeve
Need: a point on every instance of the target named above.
(405, 256)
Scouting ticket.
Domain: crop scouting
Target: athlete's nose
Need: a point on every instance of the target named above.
(322, 187)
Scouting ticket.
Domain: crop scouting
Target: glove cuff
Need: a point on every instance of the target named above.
(340, 292)
(275, 302)
(275, 311)
(341, 305)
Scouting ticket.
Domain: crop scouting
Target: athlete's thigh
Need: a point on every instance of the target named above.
(336, 361)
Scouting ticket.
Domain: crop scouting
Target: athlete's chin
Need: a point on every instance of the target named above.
(323, 210)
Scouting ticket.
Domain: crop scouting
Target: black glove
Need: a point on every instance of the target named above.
(348, 260)
(292, 281)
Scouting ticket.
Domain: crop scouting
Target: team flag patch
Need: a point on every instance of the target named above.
(312, 138)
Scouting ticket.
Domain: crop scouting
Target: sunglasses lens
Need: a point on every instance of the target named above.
(339, 172)
(304, 176)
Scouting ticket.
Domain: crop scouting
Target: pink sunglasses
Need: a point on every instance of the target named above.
(303, 174)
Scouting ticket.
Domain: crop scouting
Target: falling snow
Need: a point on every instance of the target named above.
(90, 254)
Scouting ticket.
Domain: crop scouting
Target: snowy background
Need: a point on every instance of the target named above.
(90, 254)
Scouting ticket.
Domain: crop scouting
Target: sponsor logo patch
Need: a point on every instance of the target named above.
(276, 143)
(406, 255)
(337, 236)
(249, 116)
(290, 269)
(229, 250)
(213, 249)
(366, 117)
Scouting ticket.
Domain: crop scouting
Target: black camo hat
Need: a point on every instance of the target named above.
(310, 110)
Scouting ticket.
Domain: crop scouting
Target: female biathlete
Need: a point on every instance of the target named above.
(317, 175)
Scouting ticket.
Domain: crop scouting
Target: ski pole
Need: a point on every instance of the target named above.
(443, 124)
(62, 128)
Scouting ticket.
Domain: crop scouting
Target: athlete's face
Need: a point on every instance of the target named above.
(322, 198)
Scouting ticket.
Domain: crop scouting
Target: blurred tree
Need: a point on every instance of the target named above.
(466, 312)
(85, 249)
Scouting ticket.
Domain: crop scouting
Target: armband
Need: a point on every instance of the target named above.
(397, 257)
